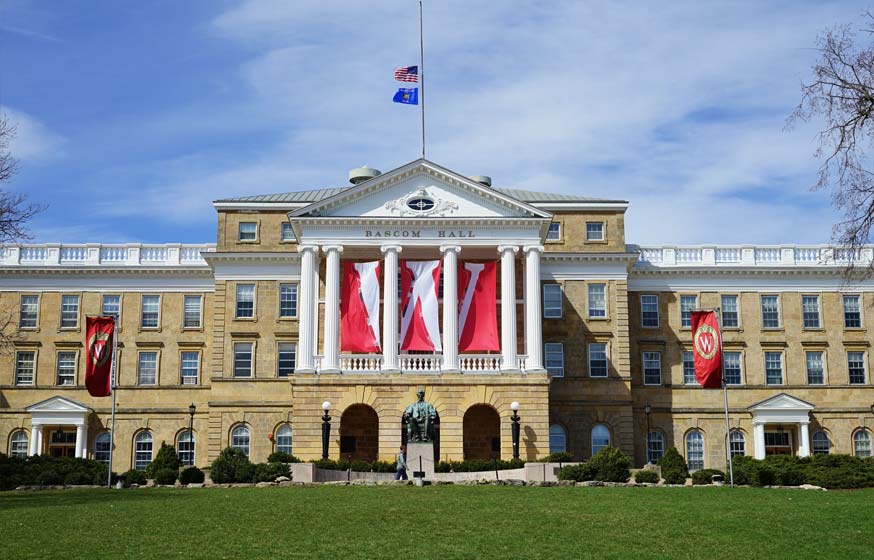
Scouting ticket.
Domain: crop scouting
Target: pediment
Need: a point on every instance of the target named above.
(57, 404)
(783, 401)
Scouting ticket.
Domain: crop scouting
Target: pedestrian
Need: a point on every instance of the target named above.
(401, 473)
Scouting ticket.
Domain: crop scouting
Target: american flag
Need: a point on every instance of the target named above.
(407, 74)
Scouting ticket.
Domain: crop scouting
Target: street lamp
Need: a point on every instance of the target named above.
(326, 429)
(191, 409)
(648, 410)
(514, 406)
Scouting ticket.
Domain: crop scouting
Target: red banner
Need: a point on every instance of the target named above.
(707, 349)
(477, 307)
(98, 358)
(359, 307)
(420, 322)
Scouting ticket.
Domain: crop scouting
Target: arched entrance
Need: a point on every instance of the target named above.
(482, 432)
(359, 433)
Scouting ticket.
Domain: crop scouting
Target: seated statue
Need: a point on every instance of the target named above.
(419, 419)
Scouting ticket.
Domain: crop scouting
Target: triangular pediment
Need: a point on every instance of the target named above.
(423, 190)
(783, 401)
(57, 404)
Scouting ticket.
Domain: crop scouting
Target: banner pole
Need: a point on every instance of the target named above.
(113, 385)
(725, 398)
(422, 77)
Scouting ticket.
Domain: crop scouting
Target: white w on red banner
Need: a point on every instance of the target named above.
(420, 322)
(359, 307)
(477, 307)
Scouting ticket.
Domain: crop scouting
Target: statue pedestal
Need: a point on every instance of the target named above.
(425, 451)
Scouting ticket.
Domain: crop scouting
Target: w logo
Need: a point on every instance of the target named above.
(705, 341)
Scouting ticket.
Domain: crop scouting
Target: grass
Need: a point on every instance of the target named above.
(444, 522)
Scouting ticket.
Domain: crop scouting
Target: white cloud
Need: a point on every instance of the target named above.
(33, 141)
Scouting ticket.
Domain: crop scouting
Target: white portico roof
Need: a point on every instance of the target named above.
(782, 408)
(58, 410)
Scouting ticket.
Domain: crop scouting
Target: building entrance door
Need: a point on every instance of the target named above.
(778, 443)
(62, 443)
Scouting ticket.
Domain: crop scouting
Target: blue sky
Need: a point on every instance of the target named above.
(134, 116)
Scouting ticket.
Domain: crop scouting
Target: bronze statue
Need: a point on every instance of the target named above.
(419, 419)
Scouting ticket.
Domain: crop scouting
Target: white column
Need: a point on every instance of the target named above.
(316, 307)
(450, 308)
(804, 444)
(331, 359)
(533, 321)
(508, 308)
(80, 440)
(35, 443)
(390, 309)
(759, 440)
(306, 311)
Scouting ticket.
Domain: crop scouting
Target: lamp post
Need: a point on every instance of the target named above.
(326, 429)
(191, 409)
(514, 406)
(648, 410)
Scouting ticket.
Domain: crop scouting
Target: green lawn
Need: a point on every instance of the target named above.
(444, 522)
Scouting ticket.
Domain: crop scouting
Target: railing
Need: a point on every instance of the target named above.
(424, 363)
(480, 363)
(96, 254)
(361, 363)
(752, 256)
(420, 363)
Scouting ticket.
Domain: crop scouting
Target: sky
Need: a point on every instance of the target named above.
(134, 116)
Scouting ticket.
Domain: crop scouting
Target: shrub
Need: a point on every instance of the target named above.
(840, 471)
(134, 476)
(25, 471)
(232, 465)
(578, 473)
(611, 465)
(360, 466)
(78, 479)
(789, 470)
(282, 457)
(560, 457)
(384, 466)
(705, 476)
(269, 472)
(49, 477)
(166, 476)
(165, 459)
(752, 472)
(674, 468)
(191, 475)
(646, 475)
(476, 465)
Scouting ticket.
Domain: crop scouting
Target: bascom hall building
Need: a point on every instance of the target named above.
(593, 334)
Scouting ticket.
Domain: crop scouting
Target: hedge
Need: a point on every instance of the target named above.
(42, 470)
(269, 472)
(558, 457)
(607, 465)
(476, 465)
(705, 476)
(646, 475)
(357, 465)
(828, 471)
(134, 476)
(282, 457)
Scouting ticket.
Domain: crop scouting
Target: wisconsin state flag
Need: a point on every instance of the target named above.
(98, 361)
(707, 343)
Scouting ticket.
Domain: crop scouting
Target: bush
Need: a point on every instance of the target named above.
(789, 470)
(269, 472)
(705, 476)
(49, 477)
(579, 473)
(360, 466)
(476, 465)
(27, 471)
(79, 479)
(166, 476)
(749, 471)
(384, 466)
(232, 465)
(674, 468)
(134, 476)
(282, 457)
(191, 475)
(560, 457)
(646, 475)
(165, 459)
(611, 465)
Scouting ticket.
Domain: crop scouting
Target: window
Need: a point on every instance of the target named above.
(248, 231)
(695, 450)
(731, 361)
(287, 301)
(821, 443)
(856, 367)
(245, 301)
(597, 300)
(283, 439)
(770, 312)
(66, 368)
(18, 444)
(25, 365)
(810, 311)
(110, 306)
(286, 356)
(192, 306)
(552, 301)
(101, 447)
(773, 368)
(598, 359)
(594, 231)
(862, 443)
(652, 368)
(649, 311)
(243, 359)
(687, 304)
(737, 444)
(185, 447)
(554, 233)
(28, 312)
(557, 439)
(815, 370)
(730, 315)
(655, 447)
(852, 313)
(142, 450)
(151, 305)
(69, 312)
(554, 358)
(600, 438)
(147, 368)
(190, 367)
(240, 439)
(689, 368)
(285, 233)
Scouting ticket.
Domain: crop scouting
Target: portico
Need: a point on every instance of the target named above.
(57, 413)
(775, 413)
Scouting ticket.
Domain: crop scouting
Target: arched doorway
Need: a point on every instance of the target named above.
(482, 432)
(359, 433)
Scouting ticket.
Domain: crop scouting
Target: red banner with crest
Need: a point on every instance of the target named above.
(98, 359)
(707, 349)
(477, 307)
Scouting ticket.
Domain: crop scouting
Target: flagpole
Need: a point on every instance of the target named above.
(113, 386)
(725, 398)
(422, 77)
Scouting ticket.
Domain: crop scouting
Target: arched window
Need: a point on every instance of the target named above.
(862, 443)
(283, 439)
(737, 443)
(18, 444)
(142, 450)
(695, 450)
(600, 438)
(185, 447)
(655, 447)
(240, 439)
(557, 439)
(101, 447)
(821, 443)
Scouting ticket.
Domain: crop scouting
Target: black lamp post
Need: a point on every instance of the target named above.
(326, 429)
(514, 406)
(648, 410)
(191, 410)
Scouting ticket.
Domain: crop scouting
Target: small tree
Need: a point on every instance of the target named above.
(232, 465)
(165, 459)
(674, 468)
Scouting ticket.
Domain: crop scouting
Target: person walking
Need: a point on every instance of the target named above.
(401, 473)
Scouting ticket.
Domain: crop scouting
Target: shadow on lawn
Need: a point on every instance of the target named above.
(54, 498)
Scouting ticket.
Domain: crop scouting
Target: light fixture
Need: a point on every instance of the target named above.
(514, 406)
(647, 408)
(514, 428)
(326, 406)
(191, 409)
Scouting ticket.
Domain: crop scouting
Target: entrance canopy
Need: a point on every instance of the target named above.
(58, 411)
(781, 409)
